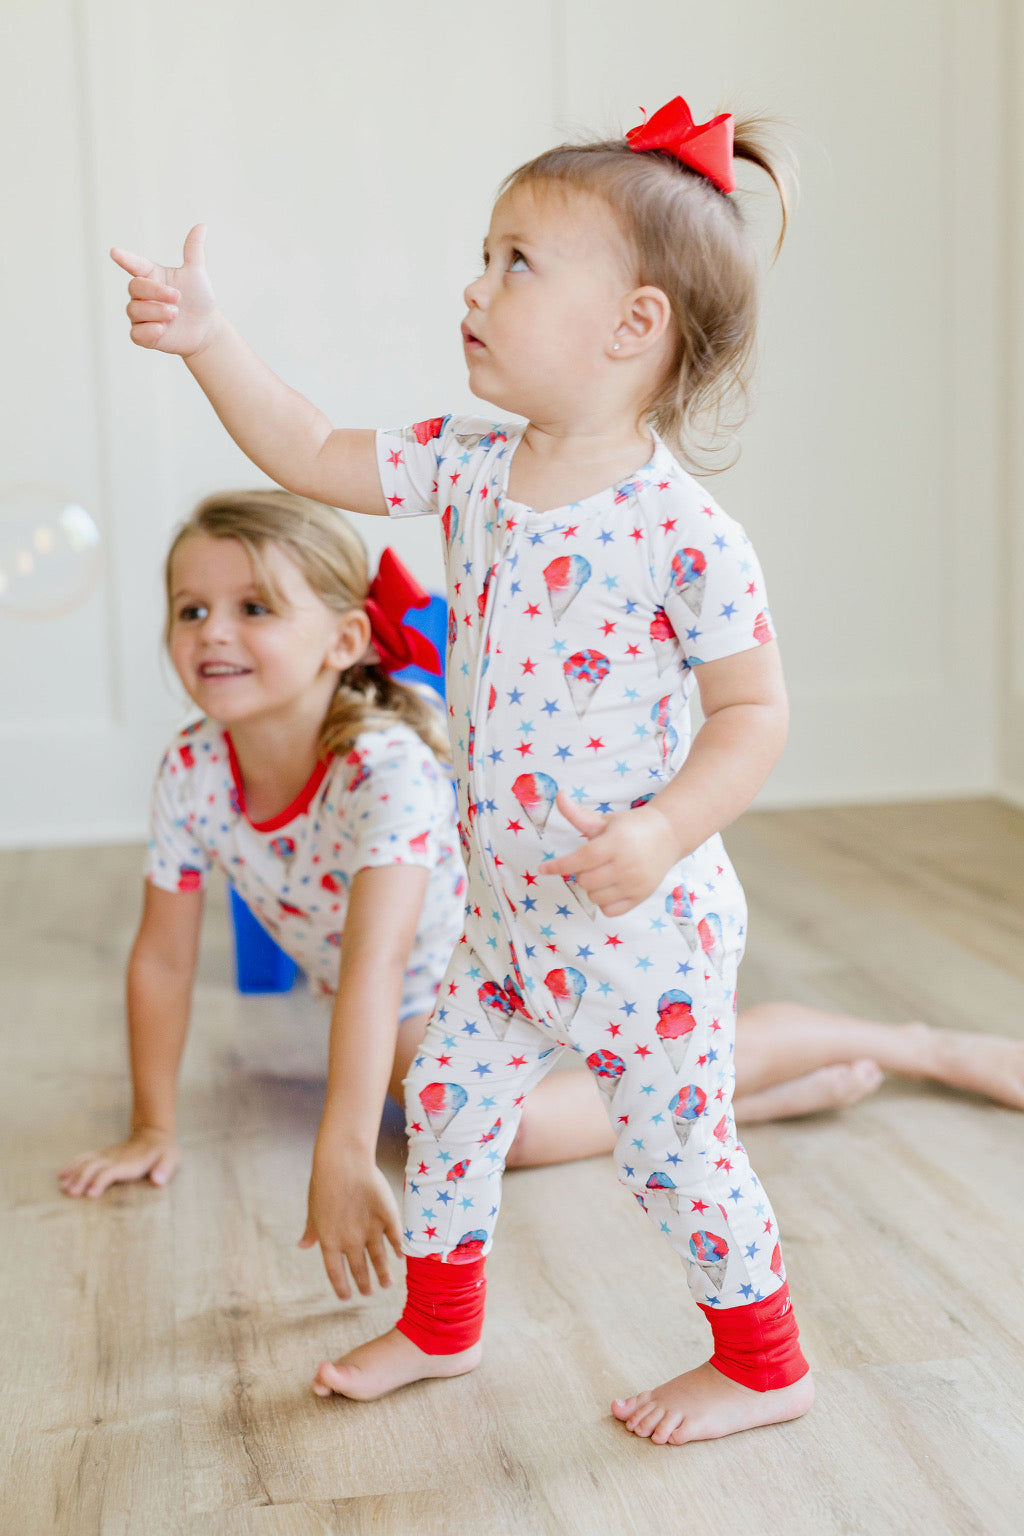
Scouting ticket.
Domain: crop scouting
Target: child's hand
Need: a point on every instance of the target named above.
(625, 855)
(172, 309)
(351, 1212)
(144, 1153)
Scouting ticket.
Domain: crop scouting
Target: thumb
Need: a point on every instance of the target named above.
(590, 823)
(195, 246)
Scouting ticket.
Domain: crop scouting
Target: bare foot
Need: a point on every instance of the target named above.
(379, 1366)
(704, 1405)
(987, 1064)
(826, 1088)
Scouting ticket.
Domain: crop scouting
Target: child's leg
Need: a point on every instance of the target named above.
(776, 1042)
(464, 1095)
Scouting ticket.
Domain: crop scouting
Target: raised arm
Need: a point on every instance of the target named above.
(352, 1212)
(160, 975)
(173, 309)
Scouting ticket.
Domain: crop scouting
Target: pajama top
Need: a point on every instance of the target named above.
(386, 801)
(573, 640)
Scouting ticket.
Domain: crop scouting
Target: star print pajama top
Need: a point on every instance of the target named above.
(573, 640)
(387, 801)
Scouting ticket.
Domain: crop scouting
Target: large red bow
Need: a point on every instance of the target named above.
(704, 147)
(393, 591)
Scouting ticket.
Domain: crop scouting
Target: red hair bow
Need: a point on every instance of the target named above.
(704, 147)
(393, 591)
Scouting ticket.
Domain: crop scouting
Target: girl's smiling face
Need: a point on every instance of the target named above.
(544, 313)
(241, 653)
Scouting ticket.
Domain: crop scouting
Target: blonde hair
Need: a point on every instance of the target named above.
(691, 241)
(330, 555)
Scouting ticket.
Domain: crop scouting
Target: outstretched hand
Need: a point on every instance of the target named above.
(145, 1154)
(624, 857)
(352, 1214)
(172, 309)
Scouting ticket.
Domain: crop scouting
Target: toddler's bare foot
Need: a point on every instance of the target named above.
(379, 1366)
(827, 1088)
(704, 1405)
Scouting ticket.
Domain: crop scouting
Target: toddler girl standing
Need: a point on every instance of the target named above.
(592, 583)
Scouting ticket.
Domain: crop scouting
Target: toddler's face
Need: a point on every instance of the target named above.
(543, 314)
(237, 657)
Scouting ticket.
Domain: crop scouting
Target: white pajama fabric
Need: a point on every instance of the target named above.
(573, 639)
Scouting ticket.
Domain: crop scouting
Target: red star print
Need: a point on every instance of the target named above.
(467, 620)
(623, 1119)
(698, 1205)
(642, 1050)
(518, 1061)
(511, 524)
(614, 940)
(514, 826)
(595, 743)
(524, 747)
(637, 534)
(708, 511)
(532, 611)
(632, 650)
(453, 987)
(423, 1168)
(608, 627)
(724, 1164)
(570, 533)
(768, 1227)
(614, 1029)
(395, 501)
(394, 458)
(662, 485)
(483, 492)
(455, 478)
(702, 1061)
(520, 1099)
(430, 1231)
(444, 1061)
(530, 879)
(751, 588)
(715, 1025)
(414, 1125)
(528, 665)
(669, 523)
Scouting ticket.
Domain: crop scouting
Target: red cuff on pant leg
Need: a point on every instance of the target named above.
(444, 1304)
(758, 1345)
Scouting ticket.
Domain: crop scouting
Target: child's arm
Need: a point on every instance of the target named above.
(746, 715)
(351, 1208)
(160, 975)
(173, 309)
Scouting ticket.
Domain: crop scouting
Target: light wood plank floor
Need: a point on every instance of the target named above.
(157, 1345)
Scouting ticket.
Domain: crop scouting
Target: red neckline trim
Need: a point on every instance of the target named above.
(298, 806)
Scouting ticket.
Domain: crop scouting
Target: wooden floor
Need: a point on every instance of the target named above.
(157, 1346)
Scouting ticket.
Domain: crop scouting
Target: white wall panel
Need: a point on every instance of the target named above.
(345, 157)
(1011, 756)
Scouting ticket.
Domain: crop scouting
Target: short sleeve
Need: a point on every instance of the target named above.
(175, 861)
(713, 589)
(394, 809)
(408, 459)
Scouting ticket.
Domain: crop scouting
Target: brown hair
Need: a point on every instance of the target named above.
(691, 241)
(330, 555)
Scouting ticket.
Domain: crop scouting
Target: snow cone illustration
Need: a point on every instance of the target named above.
(663, 640)
(689, 576)
(709, 930)
(580, 895)
(677, 905)
(536, 794)
(470, 1246)
(441, 1103)
(763, 627)
(584, 673)
(566, 987)
(502, 1004)
(608, 1069)
(450, 522)
(452, 1177)
(667, 1186)
(563, 578)
(712, 1254)
(686, 1108)
(490, 1135)
(778, 1268)
(665, 732)
(425, 431)
(334, 881)
(675, 1025)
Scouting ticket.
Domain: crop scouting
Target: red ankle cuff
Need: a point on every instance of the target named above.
(444, 1304)
(759, 1345)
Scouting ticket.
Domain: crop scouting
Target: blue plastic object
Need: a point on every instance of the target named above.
(260, 964)
(431, 621)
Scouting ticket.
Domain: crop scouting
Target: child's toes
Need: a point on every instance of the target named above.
(665, 1431)
(644, 1422)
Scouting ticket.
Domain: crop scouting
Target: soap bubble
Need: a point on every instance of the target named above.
(49, 552)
